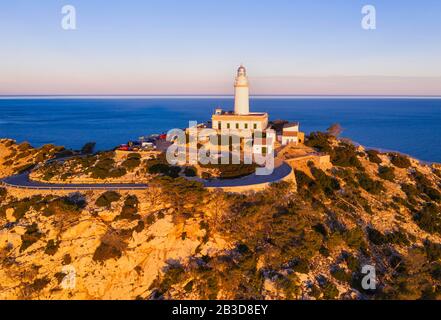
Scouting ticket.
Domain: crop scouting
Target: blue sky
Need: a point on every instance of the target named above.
(194, 47)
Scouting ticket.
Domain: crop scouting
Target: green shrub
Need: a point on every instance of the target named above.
(355, 238)
(386, 173)
(3, 193)
(373, 156)
(106, 199)
(352, 262)
(341, 275)
(304, 182)
(300, 265)
(328, 184)
(319, 141)
(51, 247)
(399, 160)
(105, 252)
(24, 146)
(345, 155)
(433, 250)
(31, 236)
(368, 184)
(424, 186)
(429, 218)
(88, 148)
(396, 237)
(130, 209)
(330, 291)
(232, 171)
(410, 191)
(190, 171)
(376, 237)
(73, 203)
(133, 161)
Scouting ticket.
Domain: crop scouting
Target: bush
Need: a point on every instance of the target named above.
(51, 247)
(232, 171)
(330, 291)
(355, 238)
(425, 186)
(305, 182)
(24, 146)
(429, 218)
(88, 148)
(3, 193)
(105, 252)
(190, 171)
(73, 203)
(319, 141)
(410, 191)
(165, 169)
(300, 265)
(373, 156)
(433, 250)
(396, 237)
(345, 156)
(400, 160)
(341, 275)
(368, 184)
(106, 199)
(31, 236)
(130, 209)
(327, 183)
(133, 161)
(386, 173)
(111, 247)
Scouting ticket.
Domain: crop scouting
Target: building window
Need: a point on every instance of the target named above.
(255, 126)
(237, 126)
(246, 125)
(219, 125)
(228, 126)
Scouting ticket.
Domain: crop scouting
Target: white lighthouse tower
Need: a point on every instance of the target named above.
(241, 93)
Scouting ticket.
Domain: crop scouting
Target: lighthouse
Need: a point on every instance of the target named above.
(241, 93)
(241, 118)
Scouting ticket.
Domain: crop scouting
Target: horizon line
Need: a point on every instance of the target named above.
(211, 96)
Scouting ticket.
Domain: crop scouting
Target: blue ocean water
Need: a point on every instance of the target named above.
(411, 126)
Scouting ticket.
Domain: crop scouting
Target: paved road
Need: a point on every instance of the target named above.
(23, 181)
(278, 174)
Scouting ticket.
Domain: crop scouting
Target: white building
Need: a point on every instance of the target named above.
(291, 133)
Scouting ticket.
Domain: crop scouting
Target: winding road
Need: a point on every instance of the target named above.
(23, 181)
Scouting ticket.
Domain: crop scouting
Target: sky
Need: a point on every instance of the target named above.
(160, 47)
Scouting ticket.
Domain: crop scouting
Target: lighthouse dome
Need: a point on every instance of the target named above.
(242, 70)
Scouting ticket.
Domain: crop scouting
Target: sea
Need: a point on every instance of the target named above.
(408, 125)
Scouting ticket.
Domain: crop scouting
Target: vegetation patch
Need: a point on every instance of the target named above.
(386, 173)
(107, 198)
(373, 156)
(372, 186)
(133, 161)
(31, 236)
(130, 209)
(112, 247)
(429, 218)
(400, 160)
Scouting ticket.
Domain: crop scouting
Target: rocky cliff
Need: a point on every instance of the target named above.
(177, 240)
